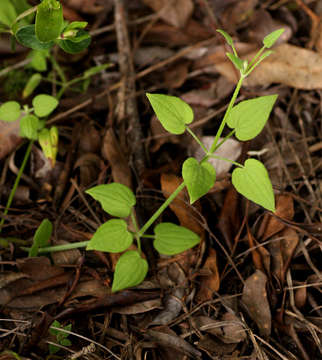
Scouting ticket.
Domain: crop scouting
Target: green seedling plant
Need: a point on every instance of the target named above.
(49, 27)
(60, 336)
(32, 127)
(246, 120)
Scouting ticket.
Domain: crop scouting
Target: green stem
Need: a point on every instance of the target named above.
(230, 106)
(254, 59)
(15, 185)
(24, 14)
(224, 139)
(225, 159)
(148, 236)
(63, 247)
(136, 228)
(197, 139)
(161, 209)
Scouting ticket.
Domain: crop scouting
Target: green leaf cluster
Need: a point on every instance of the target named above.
(49, 27)
(114, 236)
(61, 337)
(32, 124)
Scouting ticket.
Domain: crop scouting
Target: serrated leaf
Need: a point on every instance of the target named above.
(49, 20)
(116, 199)
(271, 38)
(199, 178)
(253, 182)
(26, 36)
(29, 125)
(112, 236)
(172, 112)
(130, 270)
(227, 37)
(7, 12)
(249, 116)
(44, 104)
(77, 44)
(10, 111)
(238, 63)
(41, 237)
(172, 239)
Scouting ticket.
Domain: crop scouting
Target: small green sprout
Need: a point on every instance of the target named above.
(61, 336)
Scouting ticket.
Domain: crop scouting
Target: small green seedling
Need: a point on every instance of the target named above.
(32, 127)
(250, 179)
(61, 336)
(49, 27)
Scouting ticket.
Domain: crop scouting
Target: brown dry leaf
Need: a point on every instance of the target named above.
(93, 288)
(282, 252)
(229, 219)
(88, 166)
(238, 12)
(271, 225)
(260, 255)
(87, 6)
(209, 283)
(168, 35)
(229, 329)
(9, 137)
(263, 24)
(39, 268)
(173, 341)
(176, 75)
(173, 12)
(300, 296)
(66, 257)
(160, 136)
(111, 151)
(139, 308)
(289, 65)
(255, 299)
(216, 349)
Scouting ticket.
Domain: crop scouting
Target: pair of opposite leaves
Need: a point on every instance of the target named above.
(247, 119)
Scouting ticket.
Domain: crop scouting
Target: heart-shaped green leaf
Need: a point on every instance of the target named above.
(130, 270)
(44, 104)
(172, 112)
(253, 182)
(172, 239)
(199, 178)
(27, 37)
(112, 236)
(249, 116)
(116, 199)
(49, 20)
(10, 111)
(29, 127)
(271, 38)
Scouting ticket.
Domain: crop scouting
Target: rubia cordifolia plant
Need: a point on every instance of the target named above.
(250, 179)
(49, 28)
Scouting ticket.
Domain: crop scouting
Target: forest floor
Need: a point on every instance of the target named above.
(250, 289)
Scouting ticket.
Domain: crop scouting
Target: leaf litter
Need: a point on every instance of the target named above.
(251, 288)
